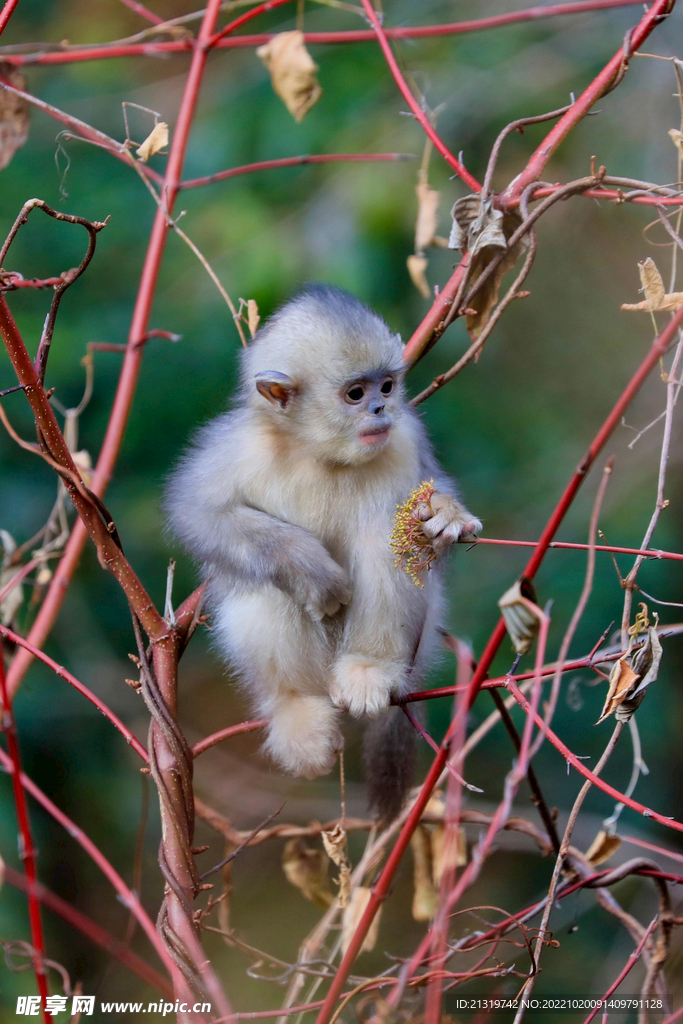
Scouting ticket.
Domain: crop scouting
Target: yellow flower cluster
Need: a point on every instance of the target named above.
(414, 552)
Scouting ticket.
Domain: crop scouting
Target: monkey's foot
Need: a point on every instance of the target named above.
(363, 685)
(303, 735)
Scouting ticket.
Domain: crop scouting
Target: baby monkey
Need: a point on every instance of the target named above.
(288, 502)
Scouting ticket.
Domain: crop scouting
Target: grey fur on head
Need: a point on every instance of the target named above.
(354, 336)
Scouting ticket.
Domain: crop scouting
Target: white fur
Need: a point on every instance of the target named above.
(291, 515)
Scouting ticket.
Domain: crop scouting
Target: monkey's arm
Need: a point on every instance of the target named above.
(255, 548)
(208, 514)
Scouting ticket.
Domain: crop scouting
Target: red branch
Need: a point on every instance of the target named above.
(415, 107)
(143, 11)
(633, 959)
(130, 369)
(26, 847)
(432, 326)
(381, 888)
(601, 84)
(78, 685)
(93, 931)
(269, 5)
(156, 49)
(566, 545)
(294, 161)
(128, 897)
(224, 734)
(6, 13)
(586, 772)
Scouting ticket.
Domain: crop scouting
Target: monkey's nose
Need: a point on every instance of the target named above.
(376, 408)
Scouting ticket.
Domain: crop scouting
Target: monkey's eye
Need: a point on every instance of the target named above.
(355, 394)
(387, 387)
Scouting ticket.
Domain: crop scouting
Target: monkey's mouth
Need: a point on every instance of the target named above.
(374, 437)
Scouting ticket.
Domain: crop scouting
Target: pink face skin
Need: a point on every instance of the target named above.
(369, 399)
(375, 437)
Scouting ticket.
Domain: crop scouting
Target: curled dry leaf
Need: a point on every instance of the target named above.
(522, 614)
(13, 599)
(351, 919)
(14, 114)
(292, 72)
(335, 843)
(43, 576)
(676, 137)
(602, 847)
(447, 853)
(425, 894)
(84, 465)
(306, 868)
(154, 143)
(656, 297)
(632, 674)
(484, 231)
(253, 316)
(417, 267)
(436, 805)
(622, 683)
(427, 215)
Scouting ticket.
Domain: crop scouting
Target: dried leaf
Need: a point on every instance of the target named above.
(306, 868)
(427, 216)
(292, 72)
(14, 114)
(447, 855)
(671, 302)
(417, 265)
(484, 231)
(84, 465)
(676, 137)
(521, 614)
(12, 601)
(656, 298)
(436, 806)
(425, 894)
(253, 316)
(602, 847)
(647, 659)
(632, 675)
(335, 843)
(351, 919)
(622, 682)
(154, 143)
(43, 576)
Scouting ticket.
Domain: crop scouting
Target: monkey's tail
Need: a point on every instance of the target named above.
(390, 753)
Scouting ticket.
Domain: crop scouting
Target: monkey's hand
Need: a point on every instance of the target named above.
(318, 583)
(447, 521)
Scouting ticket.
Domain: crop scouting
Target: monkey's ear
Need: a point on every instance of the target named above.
(278, 388)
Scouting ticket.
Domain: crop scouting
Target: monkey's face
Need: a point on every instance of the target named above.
(348, 422)
(368, 408)
(352, 421)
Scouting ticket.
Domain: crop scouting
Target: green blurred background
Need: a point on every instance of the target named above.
(511, 428)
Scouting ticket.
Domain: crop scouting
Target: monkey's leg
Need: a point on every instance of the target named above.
(383, 627)
(283, 659)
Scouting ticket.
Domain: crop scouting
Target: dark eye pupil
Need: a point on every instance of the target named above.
(387, 387)
(355, 394)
